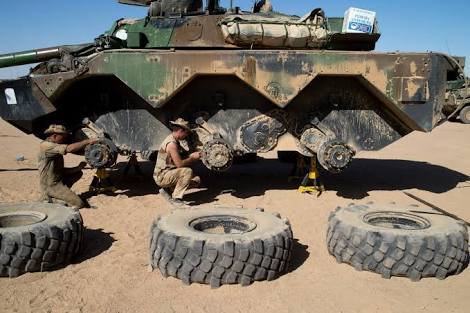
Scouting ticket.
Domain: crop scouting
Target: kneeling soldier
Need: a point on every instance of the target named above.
(55, 180)
(171, 170)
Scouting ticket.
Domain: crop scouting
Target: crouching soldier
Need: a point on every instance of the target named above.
(55, 180)
(172, 173)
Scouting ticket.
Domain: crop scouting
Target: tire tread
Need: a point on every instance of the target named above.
(216, 264)
(412, 256)
(43, 247)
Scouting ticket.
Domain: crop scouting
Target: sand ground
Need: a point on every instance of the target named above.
(111, 275)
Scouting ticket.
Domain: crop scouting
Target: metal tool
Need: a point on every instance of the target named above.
(435, 208)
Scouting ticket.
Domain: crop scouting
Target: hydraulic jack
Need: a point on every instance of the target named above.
(102, 182)
(311, 182)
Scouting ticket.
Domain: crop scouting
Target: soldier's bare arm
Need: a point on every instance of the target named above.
(77, 146)
(172, 149)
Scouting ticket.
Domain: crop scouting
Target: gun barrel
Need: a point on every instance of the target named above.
(29, 57)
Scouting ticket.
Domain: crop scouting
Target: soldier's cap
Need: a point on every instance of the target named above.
(181, 123)
(56, 129)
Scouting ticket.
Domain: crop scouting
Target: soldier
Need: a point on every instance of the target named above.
(171, 170)
(55, 180)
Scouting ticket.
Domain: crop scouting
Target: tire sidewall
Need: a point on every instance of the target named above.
(463, 115)
(438, 224)
(56, 215)
(178, 223)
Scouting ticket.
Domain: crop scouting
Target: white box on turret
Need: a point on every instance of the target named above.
(358, 21)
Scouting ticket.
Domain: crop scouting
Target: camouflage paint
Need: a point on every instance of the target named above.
(401, 79)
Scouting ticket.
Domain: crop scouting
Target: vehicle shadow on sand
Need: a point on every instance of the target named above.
(366, 175)
(243, 180)
(362, 177)
(132, 183)
(254, 179)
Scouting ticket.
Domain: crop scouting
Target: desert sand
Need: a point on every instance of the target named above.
(112, 272)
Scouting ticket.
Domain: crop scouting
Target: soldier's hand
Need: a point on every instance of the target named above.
(82, 165)
(195, 156)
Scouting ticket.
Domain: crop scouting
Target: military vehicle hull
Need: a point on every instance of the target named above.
(457, 105)
(256, 100)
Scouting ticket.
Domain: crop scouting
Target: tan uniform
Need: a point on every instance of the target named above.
(54, 179)
(167, 175)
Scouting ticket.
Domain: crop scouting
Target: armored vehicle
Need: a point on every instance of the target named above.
(249, 82)
(457, 103)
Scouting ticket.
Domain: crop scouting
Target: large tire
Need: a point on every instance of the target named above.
(464, 115)
(37, 237)
(258, 247)
(394, 241)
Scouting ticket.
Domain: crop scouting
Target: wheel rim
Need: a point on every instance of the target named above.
(223, 224)
(467, 115)
(21, 218)
(397, 220)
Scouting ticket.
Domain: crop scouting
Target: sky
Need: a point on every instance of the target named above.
(412, 25)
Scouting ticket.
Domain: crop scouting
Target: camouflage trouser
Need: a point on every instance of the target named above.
(61, 191)
(179, 178)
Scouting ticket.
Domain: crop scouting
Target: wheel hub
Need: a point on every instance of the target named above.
(217, 155)
(335, 156)
(21, 218)
(101, 154)
(223, 224)
(396, 220)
